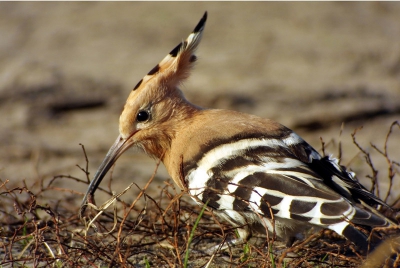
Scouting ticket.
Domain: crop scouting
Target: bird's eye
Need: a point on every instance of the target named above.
(142, 116)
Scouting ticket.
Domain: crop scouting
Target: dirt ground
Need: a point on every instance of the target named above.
(66, 70)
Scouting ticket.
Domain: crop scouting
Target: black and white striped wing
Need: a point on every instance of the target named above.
(267, 174)
(332, 174)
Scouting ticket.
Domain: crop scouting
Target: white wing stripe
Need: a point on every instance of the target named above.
(225, 151)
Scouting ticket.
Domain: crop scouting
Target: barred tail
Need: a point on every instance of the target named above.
(357, 237)
(364, 218)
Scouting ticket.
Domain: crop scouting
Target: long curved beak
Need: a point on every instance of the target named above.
(116, 150)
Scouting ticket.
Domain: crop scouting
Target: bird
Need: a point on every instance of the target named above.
(254, 173)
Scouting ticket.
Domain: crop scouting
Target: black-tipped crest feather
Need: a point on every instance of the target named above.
(200, 26)
(175, 67)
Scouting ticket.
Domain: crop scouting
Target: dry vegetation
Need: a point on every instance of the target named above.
(67, 67)
(160, 231)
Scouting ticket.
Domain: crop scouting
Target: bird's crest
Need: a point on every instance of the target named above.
(175, 67)
(149, 103)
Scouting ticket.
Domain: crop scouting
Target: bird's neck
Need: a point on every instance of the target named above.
(182, 113)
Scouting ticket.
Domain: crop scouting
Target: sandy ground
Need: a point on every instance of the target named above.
(67, 68)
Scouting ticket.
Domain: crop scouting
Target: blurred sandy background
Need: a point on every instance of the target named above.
(66, 70)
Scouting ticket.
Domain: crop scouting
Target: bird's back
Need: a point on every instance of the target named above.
(255, 168)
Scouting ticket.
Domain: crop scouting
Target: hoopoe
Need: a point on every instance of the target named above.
(253, 172)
